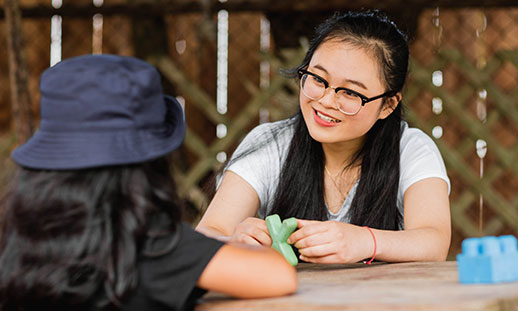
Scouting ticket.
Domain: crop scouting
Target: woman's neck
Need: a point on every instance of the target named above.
(340, 155)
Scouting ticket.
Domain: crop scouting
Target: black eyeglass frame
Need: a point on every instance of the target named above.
(363, 98)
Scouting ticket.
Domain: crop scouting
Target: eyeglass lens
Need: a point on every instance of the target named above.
(314, 88)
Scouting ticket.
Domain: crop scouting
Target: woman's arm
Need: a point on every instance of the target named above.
(230, 215)
(426, 236)
(427, 231)
(249, 272)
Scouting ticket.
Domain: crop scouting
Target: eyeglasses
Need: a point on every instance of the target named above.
(348, 102)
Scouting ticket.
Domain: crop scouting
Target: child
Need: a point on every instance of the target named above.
(93, 221)
(362, 183)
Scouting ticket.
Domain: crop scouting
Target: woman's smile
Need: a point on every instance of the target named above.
(324, 119)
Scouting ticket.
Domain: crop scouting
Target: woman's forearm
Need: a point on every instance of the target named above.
(213, 233)
(421, 244)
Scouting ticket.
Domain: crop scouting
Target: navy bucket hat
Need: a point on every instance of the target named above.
(99, 110)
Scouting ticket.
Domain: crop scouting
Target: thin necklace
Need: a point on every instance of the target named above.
(334, 183)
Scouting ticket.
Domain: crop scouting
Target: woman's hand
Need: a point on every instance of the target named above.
(331, 242)
(252, 231)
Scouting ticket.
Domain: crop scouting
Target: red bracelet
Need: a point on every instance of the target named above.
(374, 254)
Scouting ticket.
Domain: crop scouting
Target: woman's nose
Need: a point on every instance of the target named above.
(329, 98)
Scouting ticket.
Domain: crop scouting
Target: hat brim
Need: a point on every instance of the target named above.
(78, 150)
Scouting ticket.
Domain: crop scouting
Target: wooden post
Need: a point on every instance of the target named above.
(149, 33)
(20, 97)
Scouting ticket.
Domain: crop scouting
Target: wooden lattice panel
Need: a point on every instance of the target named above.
(473, 49)
(499, 181)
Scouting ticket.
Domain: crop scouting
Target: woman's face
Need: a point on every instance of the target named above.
(343, 65)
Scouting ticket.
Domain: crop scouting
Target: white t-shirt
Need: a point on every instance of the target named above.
(419, 159)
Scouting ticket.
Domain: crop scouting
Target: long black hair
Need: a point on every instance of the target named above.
(70, 239)
(300, 191)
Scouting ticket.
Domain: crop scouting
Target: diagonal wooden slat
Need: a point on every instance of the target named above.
(462, 223)
(494, 227)
(481, 79)
(459, 219)
(508, 55)
(499, 205)
(465, 201)
(195, 143)
(474, 126)
(198, 97)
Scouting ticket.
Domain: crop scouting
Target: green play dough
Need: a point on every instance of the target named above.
(279, 232)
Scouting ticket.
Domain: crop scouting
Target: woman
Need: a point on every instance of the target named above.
(93, 221)
(360, 181)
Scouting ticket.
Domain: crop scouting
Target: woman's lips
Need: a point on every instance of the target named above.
(324, 119)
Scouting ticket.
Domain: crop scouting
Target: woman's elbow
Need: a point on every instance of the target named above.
(441, 250)
(440, 256)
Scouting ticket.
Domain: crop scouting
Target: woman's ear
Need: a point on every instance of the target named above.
(389, 105)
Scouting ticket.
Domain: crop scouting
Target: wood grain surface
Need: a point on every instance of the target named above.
(381, 286)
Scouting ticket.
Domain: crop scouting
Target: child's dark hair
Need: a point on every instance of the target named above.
(301, 187)
(83, 230)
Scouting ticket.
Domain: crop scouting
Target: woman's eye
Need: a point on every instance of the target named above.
(349, 93)
(319, 80)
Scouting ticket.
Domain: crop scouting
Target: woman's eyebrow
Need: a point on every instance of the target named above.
(358, 83)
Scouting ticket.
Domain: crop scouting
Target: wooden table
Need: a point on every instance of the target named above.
(403, 286)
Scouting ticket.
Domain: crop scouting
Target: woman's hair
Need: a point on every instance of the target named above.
(300, 191)
(71, 239)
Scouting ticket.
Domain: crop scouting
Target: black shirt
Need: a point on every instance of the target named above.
(168, 282)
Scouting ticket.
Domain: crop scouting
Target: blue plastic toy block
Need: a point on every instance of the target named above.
(488, 260)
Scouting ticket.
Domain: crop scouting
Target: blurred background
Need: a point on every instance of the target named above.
(221, 59)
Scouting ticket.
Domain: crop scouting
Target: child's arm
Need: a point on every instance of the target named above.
(249, 272)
